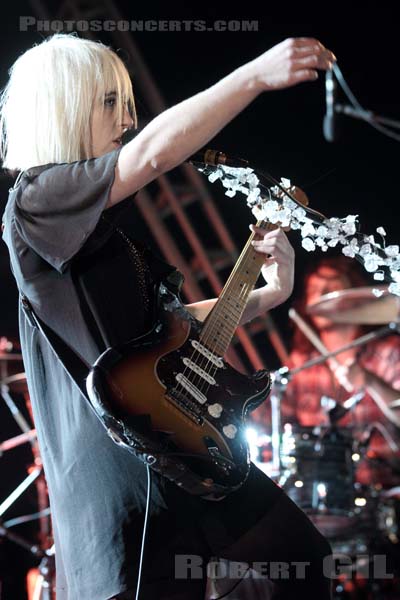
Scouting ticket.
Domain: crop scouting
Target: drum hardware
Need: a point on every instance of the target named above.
(20, 541)
(16, 384)
(364, 339)
(336, 411)
(13, 442)
(45, 581)
(279, 382)
(318, 471)
(318, 474)
(317, 464)
(7, 357)
(392, 493)
(379, 427)
(5, 505)
(388, 518)
(26, 518)
(282, 376)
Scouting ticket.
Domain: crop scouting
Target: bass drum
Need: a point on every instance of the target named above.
(317, 473)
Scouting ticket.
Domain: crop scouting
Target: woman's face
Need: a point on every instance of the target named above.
(106, 130)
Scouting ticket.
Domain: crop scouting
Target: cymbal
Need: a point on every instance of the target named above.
(357, 306)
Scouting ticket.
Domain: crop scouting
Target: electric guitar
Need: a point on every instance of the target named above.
(169, 396)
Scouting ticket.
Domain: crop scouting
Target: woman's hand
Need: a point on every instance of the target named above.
(290, 62)
(278, 268)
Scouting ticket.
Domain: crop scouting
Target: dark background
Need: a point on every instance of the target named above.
(281, 132)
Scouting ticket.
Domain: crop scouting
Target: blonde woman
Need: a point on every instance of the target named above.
(67, 224)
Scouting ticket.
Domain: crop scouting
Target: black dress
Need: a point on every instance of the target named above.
(70, 257)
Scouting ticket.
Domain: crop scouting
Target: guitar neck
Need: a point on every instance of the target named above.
(221, 323)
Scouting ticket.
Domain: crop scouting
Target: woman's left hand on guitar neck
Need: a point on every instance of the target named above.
(277, 271)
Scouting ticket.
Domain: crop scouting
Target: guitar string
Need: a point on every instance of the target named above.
(204, 339)
(197, 380)
(230, 309)
(206, 364)
(195, 352)
(245, 291)
(210, 331)
(230, 305)
(238, 292)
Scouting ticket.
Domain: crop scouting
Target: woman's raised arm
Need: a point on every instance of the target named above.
(178, 132)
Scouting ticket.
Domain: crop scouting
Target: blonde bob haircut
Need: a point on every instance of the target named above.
(47, 105)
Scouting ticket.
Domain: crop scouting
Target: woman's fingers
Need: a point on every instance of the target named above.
(274, 244)
(314, 61)
(292, 61)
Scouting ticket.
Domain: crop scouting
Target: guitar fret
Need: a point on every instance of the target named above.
(217, 336)
(223, 320)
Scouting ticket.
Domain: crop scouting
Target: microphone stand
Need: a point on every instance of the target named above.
(365, 115)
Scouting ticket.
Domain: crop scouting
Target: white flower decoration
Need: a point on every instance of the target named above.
(376, 258)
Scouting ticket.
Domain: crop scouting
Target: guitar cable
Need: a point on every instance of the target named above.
(146, 515)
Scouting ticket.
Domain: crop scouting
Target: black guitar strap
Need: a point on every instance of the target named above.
(76, 367)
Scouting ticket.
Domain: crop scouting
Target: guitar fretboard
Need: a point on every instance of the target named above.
(224, 318)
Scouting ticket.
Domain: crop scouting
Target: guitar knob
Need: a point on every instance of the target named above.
(230, 431)
(215, 410)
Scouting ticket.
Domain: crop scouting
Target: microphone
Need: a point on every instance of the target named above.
(207, 156)
(330, 119)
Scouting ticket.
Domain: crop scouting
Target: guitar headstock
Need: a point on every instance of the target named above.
(275, 213)
(297, 193)
(264, 201)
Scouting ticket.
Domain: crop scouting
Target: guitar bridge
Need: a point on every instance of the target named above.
(189, 408)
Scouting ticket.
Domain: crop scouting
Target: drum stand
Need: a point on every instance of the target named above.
(279, 382)
(44, 583)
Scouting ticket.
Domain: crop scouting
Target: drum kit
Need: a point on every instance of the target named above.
(317, 465)
(14, 392)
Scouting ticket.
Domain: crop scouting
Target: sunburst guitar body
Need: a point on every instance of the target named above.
(176, 404)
